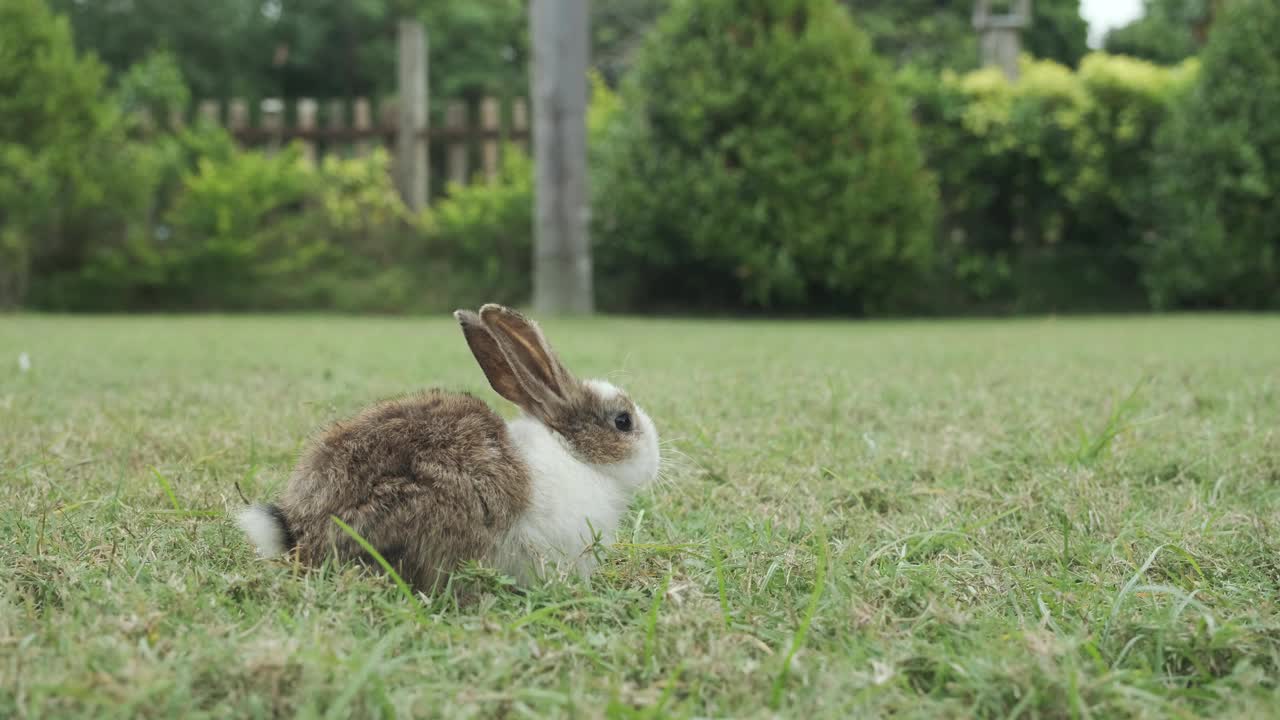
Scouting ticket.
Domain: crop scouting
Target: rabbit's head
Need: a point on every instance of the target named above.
(597, 421)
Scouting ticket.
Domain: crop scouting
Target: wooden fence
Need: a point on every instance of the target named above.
(465, 147)
(470, 134)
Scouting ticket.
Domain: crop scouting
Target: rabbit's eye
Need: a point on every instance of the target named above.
(623, 422)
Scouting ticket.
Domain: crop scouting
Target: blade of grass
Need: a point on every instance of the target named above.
(547, 610)
(667, 692)
(651, 623)
(718, 561)
(797, 640)
(405, 590)
(168, 489)
(1128, 588)
(1092, 448)
(373, 663)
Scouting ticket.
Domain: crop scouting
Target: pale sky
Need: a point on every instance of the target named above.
(1103, 15)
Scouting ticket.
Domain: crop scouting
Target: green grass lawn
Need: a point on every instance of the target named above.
(1039, 518)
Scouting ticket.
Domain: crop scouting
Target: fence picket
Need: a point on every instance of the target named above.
(363, 130)
(363, 124)
(490, 124)
(455, 121)
(307, 125)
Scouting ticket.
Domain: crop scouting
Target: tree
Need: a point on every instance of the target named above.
(939, 33)
(617, 29)
(307, 48)
(762, 159)
(221, 46)
(1167, 32)
(65, 180)
(930, 33)
(1217, 235)
(1057, 32)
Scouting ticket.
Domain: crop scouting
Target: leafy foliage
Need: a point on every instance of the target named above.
(154, 86)
(218, 45)
(939, 34)
(1045, 182)
(618, 28)
(1217, 240)
(67, 174)
(763, 158)
(1058, 32)
(339, 48)
(482, 236)
(923, 33)
(1169, 31)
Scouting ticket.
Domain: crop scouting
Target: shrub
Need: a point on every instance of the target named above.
(482, 236)
(1045, 182)
(247, 230)
(763, 159)
(230, 242)
(1217, 239)
(126, 270)
(257, 231)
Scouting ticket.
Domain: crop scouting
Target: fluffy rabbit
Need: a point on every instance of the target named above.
(436, 479)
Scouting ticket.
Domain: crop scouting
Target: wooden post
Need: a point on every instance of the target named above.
(520, 122)
(455, 120)
(363, 122)
(562, 250)
(1000, 36)
(411, 130)
(307, 123)
(491, 125)
(237, 115)
(273, 122)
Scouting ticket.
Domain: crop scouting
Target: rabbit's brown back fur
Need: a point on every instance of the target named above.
(429, 480)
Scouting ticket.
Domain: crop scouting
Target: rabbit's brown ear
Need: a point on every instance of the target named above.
(493, 361)
(528, 349)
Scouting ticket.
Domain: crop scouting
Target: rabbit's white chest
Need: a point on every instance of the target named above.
(571, 506)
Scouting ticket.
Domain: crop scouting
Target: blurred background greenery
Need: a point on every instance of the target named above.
(807, 156)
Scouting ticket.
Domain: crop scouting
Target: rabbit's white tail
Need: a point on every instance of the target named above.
(267, 529)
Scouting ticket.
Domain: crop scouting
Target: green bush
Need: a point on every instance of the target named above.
(154, 86)
(764, 159)
(1045, 182)
(1217, 235)
(1166, 32)
(65, 182)
(247, 230)
(257, 231)
(235, 230)
(481, 236)
(126, 270)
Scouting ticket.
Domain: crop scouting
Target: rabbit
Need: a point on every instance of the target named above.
(436, 479)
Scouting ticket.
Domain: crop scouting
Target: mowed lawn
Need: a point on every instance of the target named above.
(1031, 518)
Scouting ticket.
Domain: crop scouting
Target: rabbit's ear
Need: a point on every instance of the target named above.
(497, 368)
(529, 352)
